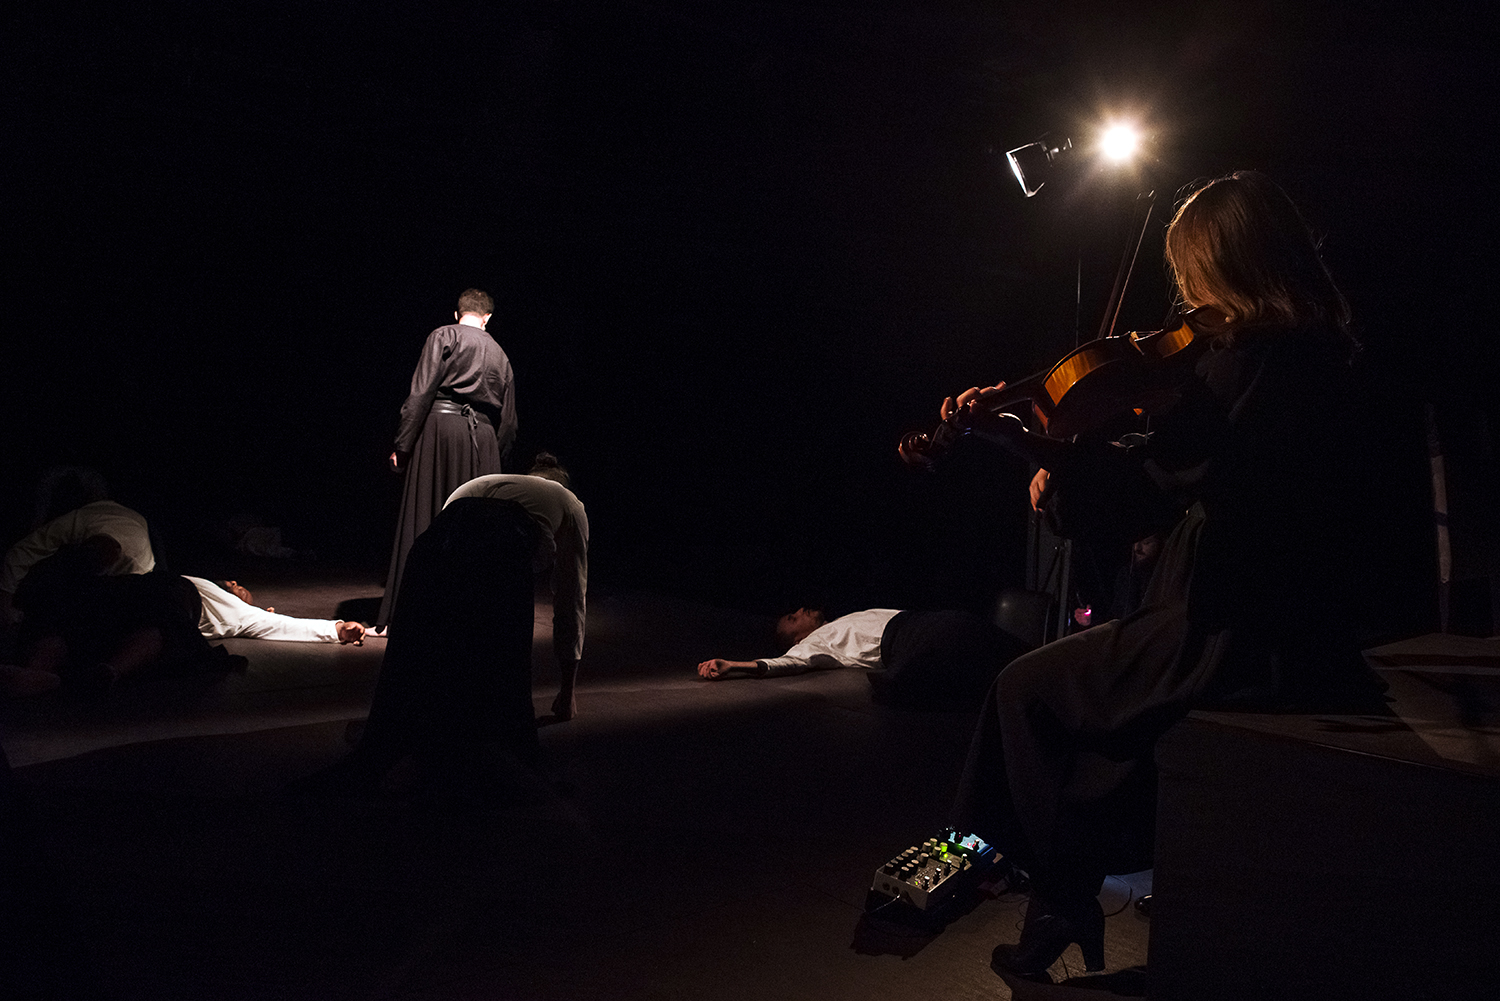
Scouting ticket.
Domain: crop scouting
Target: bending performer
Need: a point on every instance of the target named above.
(103, 517)
(456, 697)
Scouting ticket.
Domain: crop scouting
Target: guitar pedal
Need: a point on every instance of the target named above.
(929, 874)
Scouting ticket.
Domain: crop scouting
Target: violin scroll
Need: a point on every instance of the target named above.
(979, 416)
(923, 450)
(917, 449)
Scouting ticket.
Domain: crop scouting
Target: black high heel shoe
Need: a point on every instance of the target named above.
(1048, 932)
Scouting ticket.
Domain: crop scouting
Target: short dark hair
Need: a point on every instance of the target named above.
(476, 301)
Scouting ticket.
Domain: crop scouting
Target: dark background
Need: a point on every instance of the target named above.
(740, 248)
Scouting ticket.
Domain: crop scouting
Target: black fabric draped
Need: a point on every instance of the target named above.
(1247, 608)
(940, 659)
(455, 683)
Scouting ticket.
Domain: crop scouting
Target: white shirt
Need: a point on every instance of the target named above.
(851, 640)
(225, 616)
(564, 545)
(99, 518)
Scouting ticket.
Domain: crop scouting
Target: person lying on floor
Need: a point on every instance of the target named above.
(229, 611)
(85, 627)
(917, 659)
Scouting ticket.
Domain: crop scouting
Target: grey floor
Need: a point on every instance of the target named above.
(692, 840)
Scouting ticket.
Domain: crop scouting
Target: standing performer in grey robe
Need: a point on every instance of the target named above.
(457, 423)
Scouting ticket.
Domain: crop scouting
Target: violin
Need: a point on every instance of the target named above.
(1092, 384)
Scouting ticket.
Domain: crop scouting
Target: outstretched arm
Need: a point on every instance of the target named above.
(713, 670)
(226, 614)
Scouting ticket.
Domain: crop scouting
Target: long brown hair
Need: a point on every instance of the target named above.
(1239, 243)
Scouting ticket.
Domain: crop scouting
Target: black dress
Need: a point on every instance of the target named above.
(1246, 477)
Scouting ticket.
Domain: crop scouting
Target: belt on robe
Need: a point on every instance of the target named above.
(468, 413)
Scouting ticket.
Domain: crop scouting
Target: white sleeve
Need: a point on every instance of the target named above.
(27, 553)
(570, 582)
(805, 656)
(263, 625)
(784, 665)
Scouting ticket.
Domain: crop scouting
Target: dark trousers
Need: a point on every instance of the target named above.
(455, 684)
(940, 660)
(64, 598)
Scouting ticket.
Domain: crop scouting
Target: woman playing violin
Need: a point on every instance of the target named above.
(1242, 478)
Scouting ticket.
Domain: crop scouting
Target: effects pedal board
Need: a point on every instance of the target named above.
(927, 875)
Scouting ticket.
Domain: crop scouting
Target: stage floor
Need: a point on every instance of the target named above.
(692, 840)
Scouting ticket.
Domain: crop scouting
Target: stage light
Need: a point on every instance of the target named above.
(1119, 142)
(1033, 162)
(1114, 146)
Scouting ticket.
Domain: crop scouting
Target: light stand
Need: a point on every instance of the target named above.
(1033, 165)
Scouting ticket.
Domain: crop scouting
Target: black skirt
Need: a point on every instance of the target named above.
(1061, 774)
(448, 454)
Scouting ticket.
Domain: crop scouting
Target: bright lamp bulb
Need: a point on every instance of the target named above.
(1119, 142)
